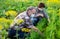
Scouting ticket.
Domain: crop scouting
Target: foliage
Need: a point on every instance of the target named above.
(10, 9)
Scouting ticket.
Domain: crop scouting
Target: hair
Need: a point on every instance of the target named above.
(30, 8)
(41, 5)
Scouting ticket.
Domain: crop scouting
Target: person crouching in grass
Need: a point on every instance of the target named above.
(39, 14)
(23, 28)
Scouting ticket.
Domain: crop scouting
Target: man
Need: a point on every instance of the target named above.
(39, 14)
(27, 24)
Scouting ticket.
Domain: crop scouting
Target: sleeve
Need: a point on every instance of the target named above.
(31, 25)
(45, 14)
(16, 20)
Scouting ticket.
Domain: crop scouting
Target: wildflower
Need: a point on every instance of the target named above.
(4, 20)
(53, 1)
(11, 13)
(26, 30)
(1, 27)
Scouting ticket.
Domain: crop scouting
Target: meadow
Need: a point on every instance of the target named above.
(9, 9)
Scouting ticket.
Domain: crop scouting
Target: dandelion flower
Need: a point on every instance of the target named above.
(1, 27)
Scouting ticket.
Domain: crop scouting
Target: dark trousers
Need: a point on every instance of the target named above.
(21, 35)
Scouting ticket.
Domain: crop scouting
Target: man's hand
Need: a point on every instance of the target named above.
(37, 30)
(40, 15)
(48, 20)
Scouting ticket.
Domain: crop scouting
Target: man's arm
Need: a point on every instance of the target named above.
(38, 15)
(16, 20)
(37, 30)
(46, 15)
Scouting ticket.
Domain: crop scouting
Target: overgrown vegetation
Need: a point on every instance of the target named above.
(9, 9)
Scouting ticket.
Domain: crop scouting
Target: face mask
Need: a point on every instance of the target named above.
(40, 9)
(32, 15)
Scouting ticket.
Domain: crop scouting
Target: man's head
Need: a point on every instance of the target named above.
(31, 10)
(41, 5)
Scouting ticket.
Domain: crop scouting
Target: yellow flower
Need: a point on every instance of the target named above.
(26, 30)
(4, 20)
(11, 13)
(54, 1)
(1, 27)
